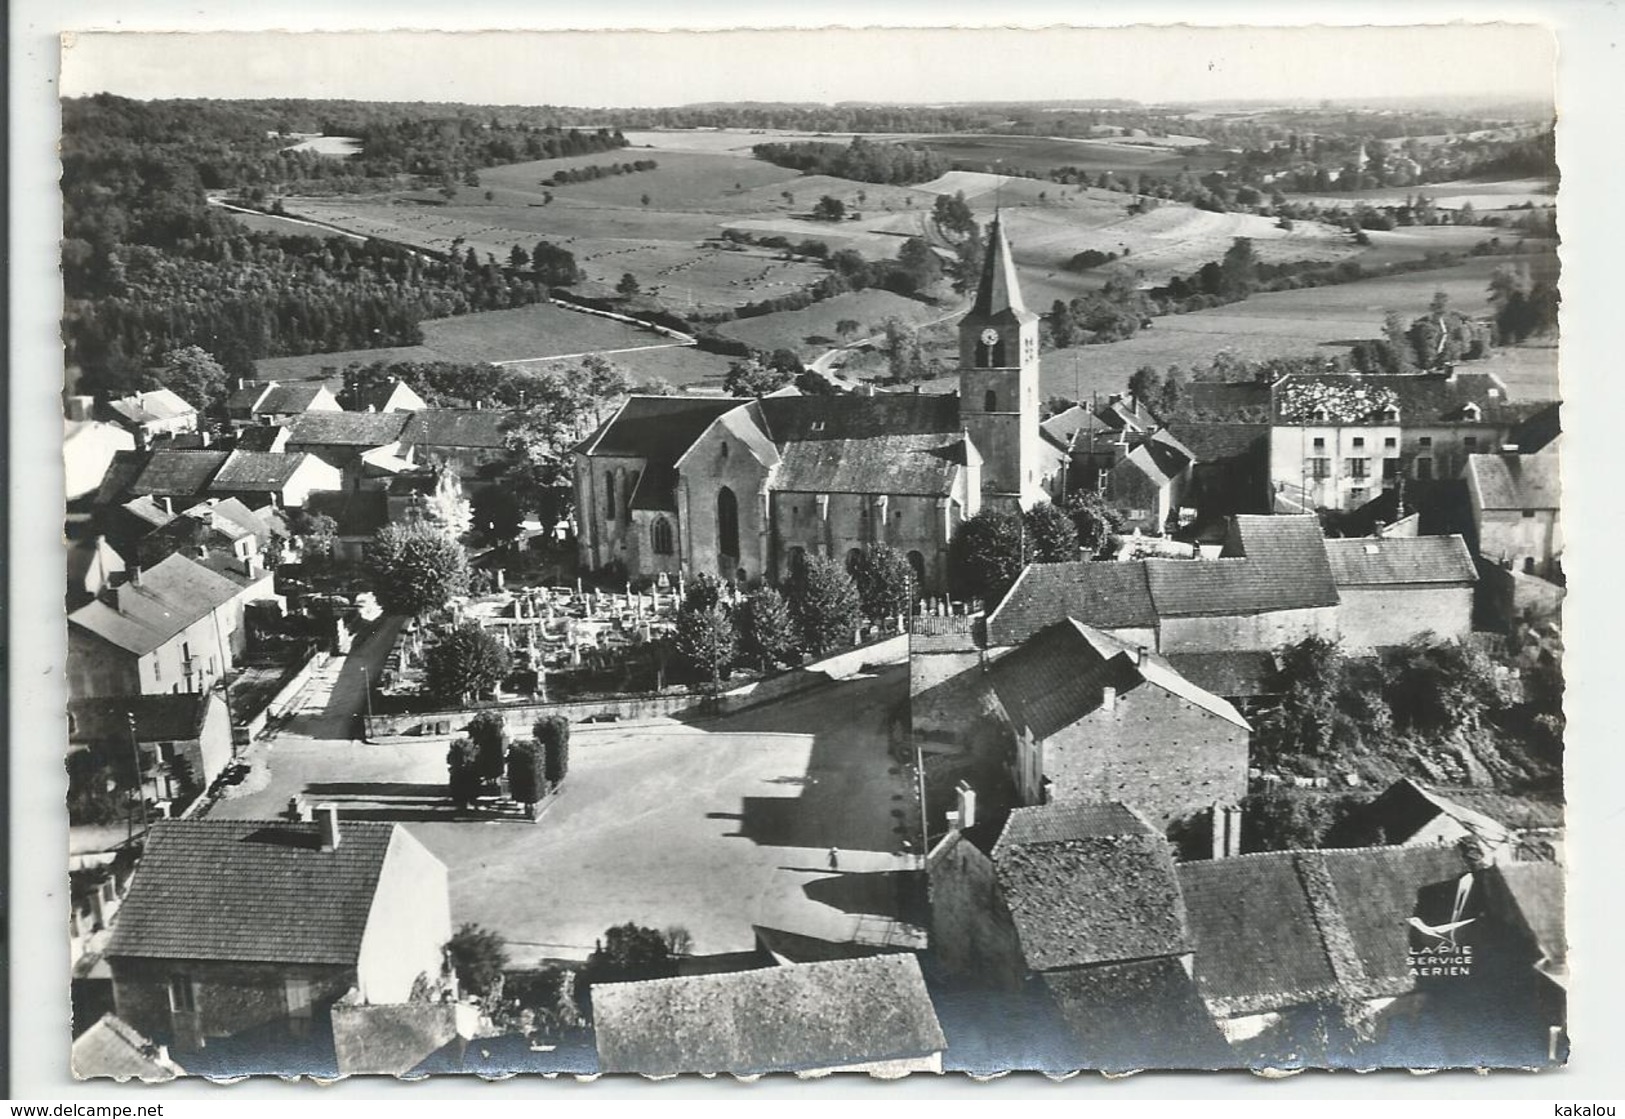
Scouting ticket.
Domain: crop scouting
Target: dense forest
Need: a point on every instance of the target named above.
(149, 266)
(862, 160)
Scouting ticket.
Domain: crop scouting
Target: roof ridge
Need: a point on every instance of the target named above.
(1326, 908)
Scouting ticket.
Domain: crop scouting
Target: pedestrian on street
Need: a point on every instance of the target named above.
(834, 860)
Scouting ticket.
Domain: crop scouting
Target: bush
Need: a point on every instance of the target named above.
(628, 953)
(463, 772)
(553, 732)
(887, 586)
(415, 568)
(984, 556)
(490, 737)
(767, 631)
(527, 772)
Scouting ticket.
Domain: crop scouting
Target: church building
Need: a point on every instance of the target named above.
(743, 489)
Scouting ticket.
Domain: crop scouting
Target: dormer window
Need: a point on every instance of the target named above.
(1390, 414)
(1319, 415)
(1471, 412)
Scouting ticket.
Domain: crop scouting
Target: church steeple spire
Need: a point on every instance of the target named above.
(998, 291)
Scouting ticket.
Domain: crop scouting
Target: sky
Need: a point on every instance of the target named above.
(609, 68)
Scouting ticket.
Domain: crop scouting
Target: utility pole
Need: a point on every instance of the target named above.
(135, 754)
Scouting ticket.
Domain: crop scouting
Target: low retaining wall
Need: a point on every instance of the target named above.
(520, 717)
(280, 703)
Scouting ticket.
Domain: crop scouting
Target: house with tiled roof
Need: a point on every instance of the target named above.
(1500, 827)
(1283, 934)
(386, 396)
(1078, 905)
(1093, 718)
(110, 1048)
(1392, 589)
(871, 1014)
(273, 402)
(1517, 505)
(743, 488)
(256, 927)
(175, 627)
(1337, 439)
(283, 480)
(1272, 586)
(339, 438)
(150, 414)
(183, 739)
(88, 447)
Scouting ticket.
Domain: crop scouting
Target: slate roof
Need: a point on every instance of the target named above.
(297, 397)
(1056, 823)
(149, 509)
(1104, 595)
(173, 595)
(257, 471)
(1517, 481)
(1538, 431)
(262, 437)
(899, 444)
(1059, 676)
(998, 293)
(1400, 560)
(1281, 929)
(1510, 811)
(797, 1017)
(1241, 674)
(122, 472)
(252, 890)
(1210, 442)
(158, 718)
(347, 429)
(656, 428)
(1424, 399)
(1088, 897)
(1246, 402)
(153, 406)
(1135, 1015)
(1217, 587)
(177, 473)
(111, 1047)
(447, 427)
(1531, 895)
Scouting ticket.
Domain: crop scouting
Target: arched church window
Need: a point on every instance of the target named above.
(609, 496)
(917, 561)
(727, 522)
(990, 401)
(661, 537)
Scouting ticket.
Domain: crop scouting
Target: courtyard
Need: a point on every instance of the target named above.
(716, 827)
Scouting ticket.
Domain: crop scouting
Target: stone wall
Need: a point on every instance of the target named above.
(228, 997)
(1372, 617)
(972, 933)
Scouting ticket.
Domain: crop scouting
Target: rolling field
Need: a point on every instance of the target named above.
(797, 329)
(1490, 195)
(1040, 153)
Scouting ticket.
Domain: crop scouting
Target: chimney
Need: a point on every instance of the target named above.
(135, 575)
(1139, 654)
(202, 551)
(967, 804)
(327, 821)
(252, 565)
(169, 505)
(1108, 698)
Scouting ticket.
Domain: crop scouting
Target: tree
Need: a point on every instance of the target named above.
(829, 208)
(706, 639)
(495, 514)
(887, 586)
(527, 772)
(1309, 678)
(1172, 393)
(415, 568)
(1239, 270)
(518, 258)
(919, 263)
(1145, 384)
(905, 358)
(315, 532)
(490, 737)
(446, 508)
(1096, 522)
(825, 605)
(846, 328)
(985, 556)
(628, 285)
(552, 733)
(629, 953)
(1052, 537)
(966, 267)
(477, 956)
(751, 377)
(656, 386)
(766, 630)
(553, 266)
(1285, 820)
(1063, 325)
(193, 374)
(463, 780)
(466, 662)
(702, 592)
(953, 215)
(537, 437)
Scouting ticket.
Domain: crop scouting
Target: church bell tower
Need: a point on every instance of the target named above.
(998, 382)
